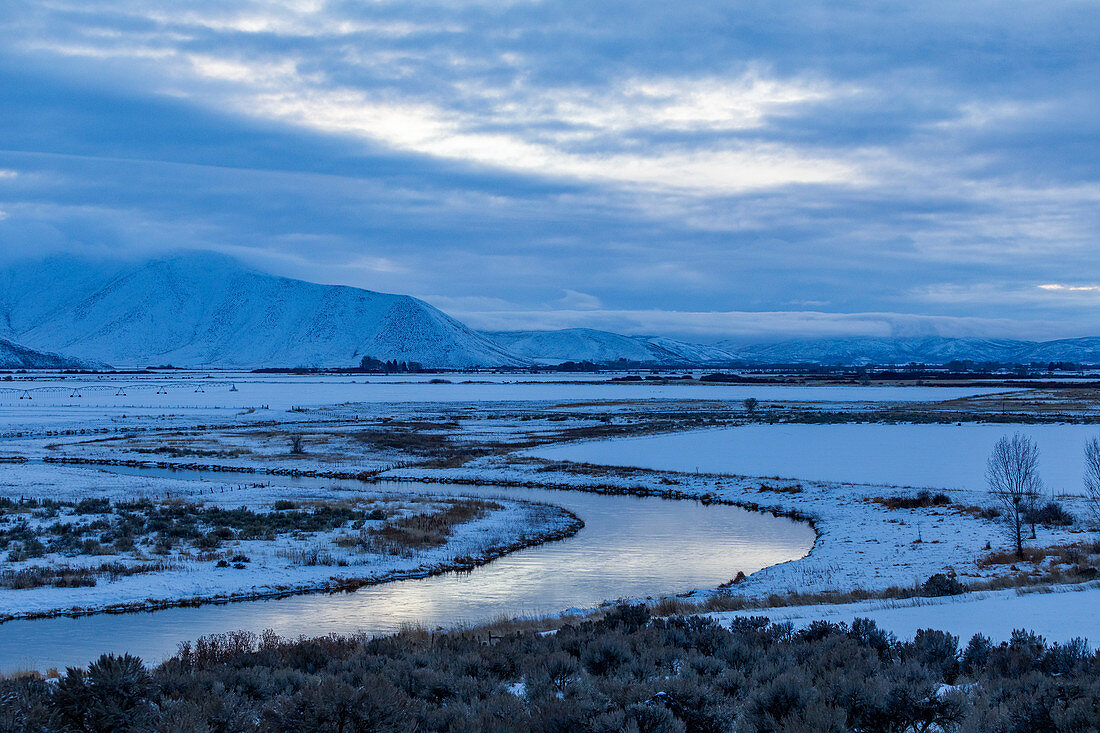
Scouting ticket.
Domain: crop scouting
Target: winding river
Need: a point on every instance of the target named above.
(630, 547)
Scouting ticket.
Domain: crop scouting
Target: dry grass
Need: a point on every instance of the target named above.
(402, 535)
(920, 500)
(65, 576)
(791, 489)
(1034, 581)
(1079, 555)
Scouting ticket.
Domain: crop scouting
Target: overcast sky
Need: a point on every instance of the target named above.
(698, 169)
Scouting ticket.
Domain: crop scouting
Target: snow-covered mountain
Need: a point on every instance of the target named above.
(600, 347)
(584, 344)
(1080, 350)
(203, 309)
(924, 350)
(208, 310)
(14, 356)
(872, 350)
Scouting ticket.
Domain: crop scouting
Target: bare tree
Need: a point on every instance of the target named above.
(750, 405)
(1092, 477)
(296, 445)
(1013, 476)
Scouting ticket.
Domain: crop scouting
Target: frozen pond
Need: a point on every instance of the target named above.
(630, 547)
(939, 456)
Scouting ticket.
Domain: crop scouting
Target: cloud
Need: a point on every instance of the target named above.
(1071, 288)
(934, 164)
(574, 300)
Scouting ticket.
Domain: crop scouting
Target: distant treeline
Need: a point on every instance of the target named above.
(626, 672)
(367, 365)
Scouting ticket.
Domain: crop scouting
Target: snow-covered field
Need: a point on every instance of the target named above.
(836, 470)
(1061, 614)
(280, 563)
(214, 390)
(928, 455)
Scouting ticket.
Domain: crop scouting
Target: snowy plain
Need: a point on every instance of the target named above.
(1059, 615)
(860, 544)
(273, 564)
(214, 390)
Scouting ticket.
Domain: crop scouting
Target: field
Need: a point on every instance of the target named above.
(851, 461)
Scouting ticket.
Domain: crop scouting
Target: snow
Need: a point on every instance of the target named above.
(922, 350)
(928, 455)
(14, 356)
(204, 309)
(860, 544)
(1062, 614)
(587, 344)
(269, 568)
(180, 390)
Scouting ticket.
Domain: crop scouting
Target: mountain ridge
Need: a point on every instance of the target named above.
(209, 310)
(579, 344)
(17, 356)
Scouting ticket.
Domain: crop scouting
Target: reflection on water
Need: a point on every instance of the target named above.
(630, 548)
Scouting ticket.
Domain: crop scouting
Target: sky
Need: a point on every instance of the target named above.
(704, 170)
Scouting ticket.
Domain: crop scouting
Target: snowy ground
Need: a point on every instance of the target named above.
(1060, 614)
(861, 543)
(109, 402)
(278, 565)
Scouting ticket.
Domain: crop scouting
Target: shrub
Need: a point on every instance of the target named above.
(1051, 514)
(976, 655)
(942, 585)
(605, 656)
(92, 506)
(621, 673)
(937, 650)
(112, 695)
(922, 500)
(28, 549)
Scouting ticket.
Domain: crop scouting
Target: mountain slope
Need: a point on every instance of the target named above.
(587, 344)
(14, 356)
(208, 310)
(872, 350)
(584, 344)
(1082, 350)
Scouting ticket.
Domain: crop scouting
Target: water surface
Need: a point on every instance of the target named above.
(930, 455)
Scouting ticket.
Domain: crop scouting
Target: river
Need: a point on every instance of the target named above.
(630, 547)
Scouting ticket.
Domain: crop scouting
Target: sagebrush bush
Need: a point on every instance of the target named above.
(624, 672)
(942, 585)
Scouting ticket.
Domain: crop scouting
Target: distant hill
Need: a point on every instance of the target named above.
(584, 344)
(868, 350)
(924, 350)
(208, 310)
(601, 347)
(14, 356)
(1081, 350)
